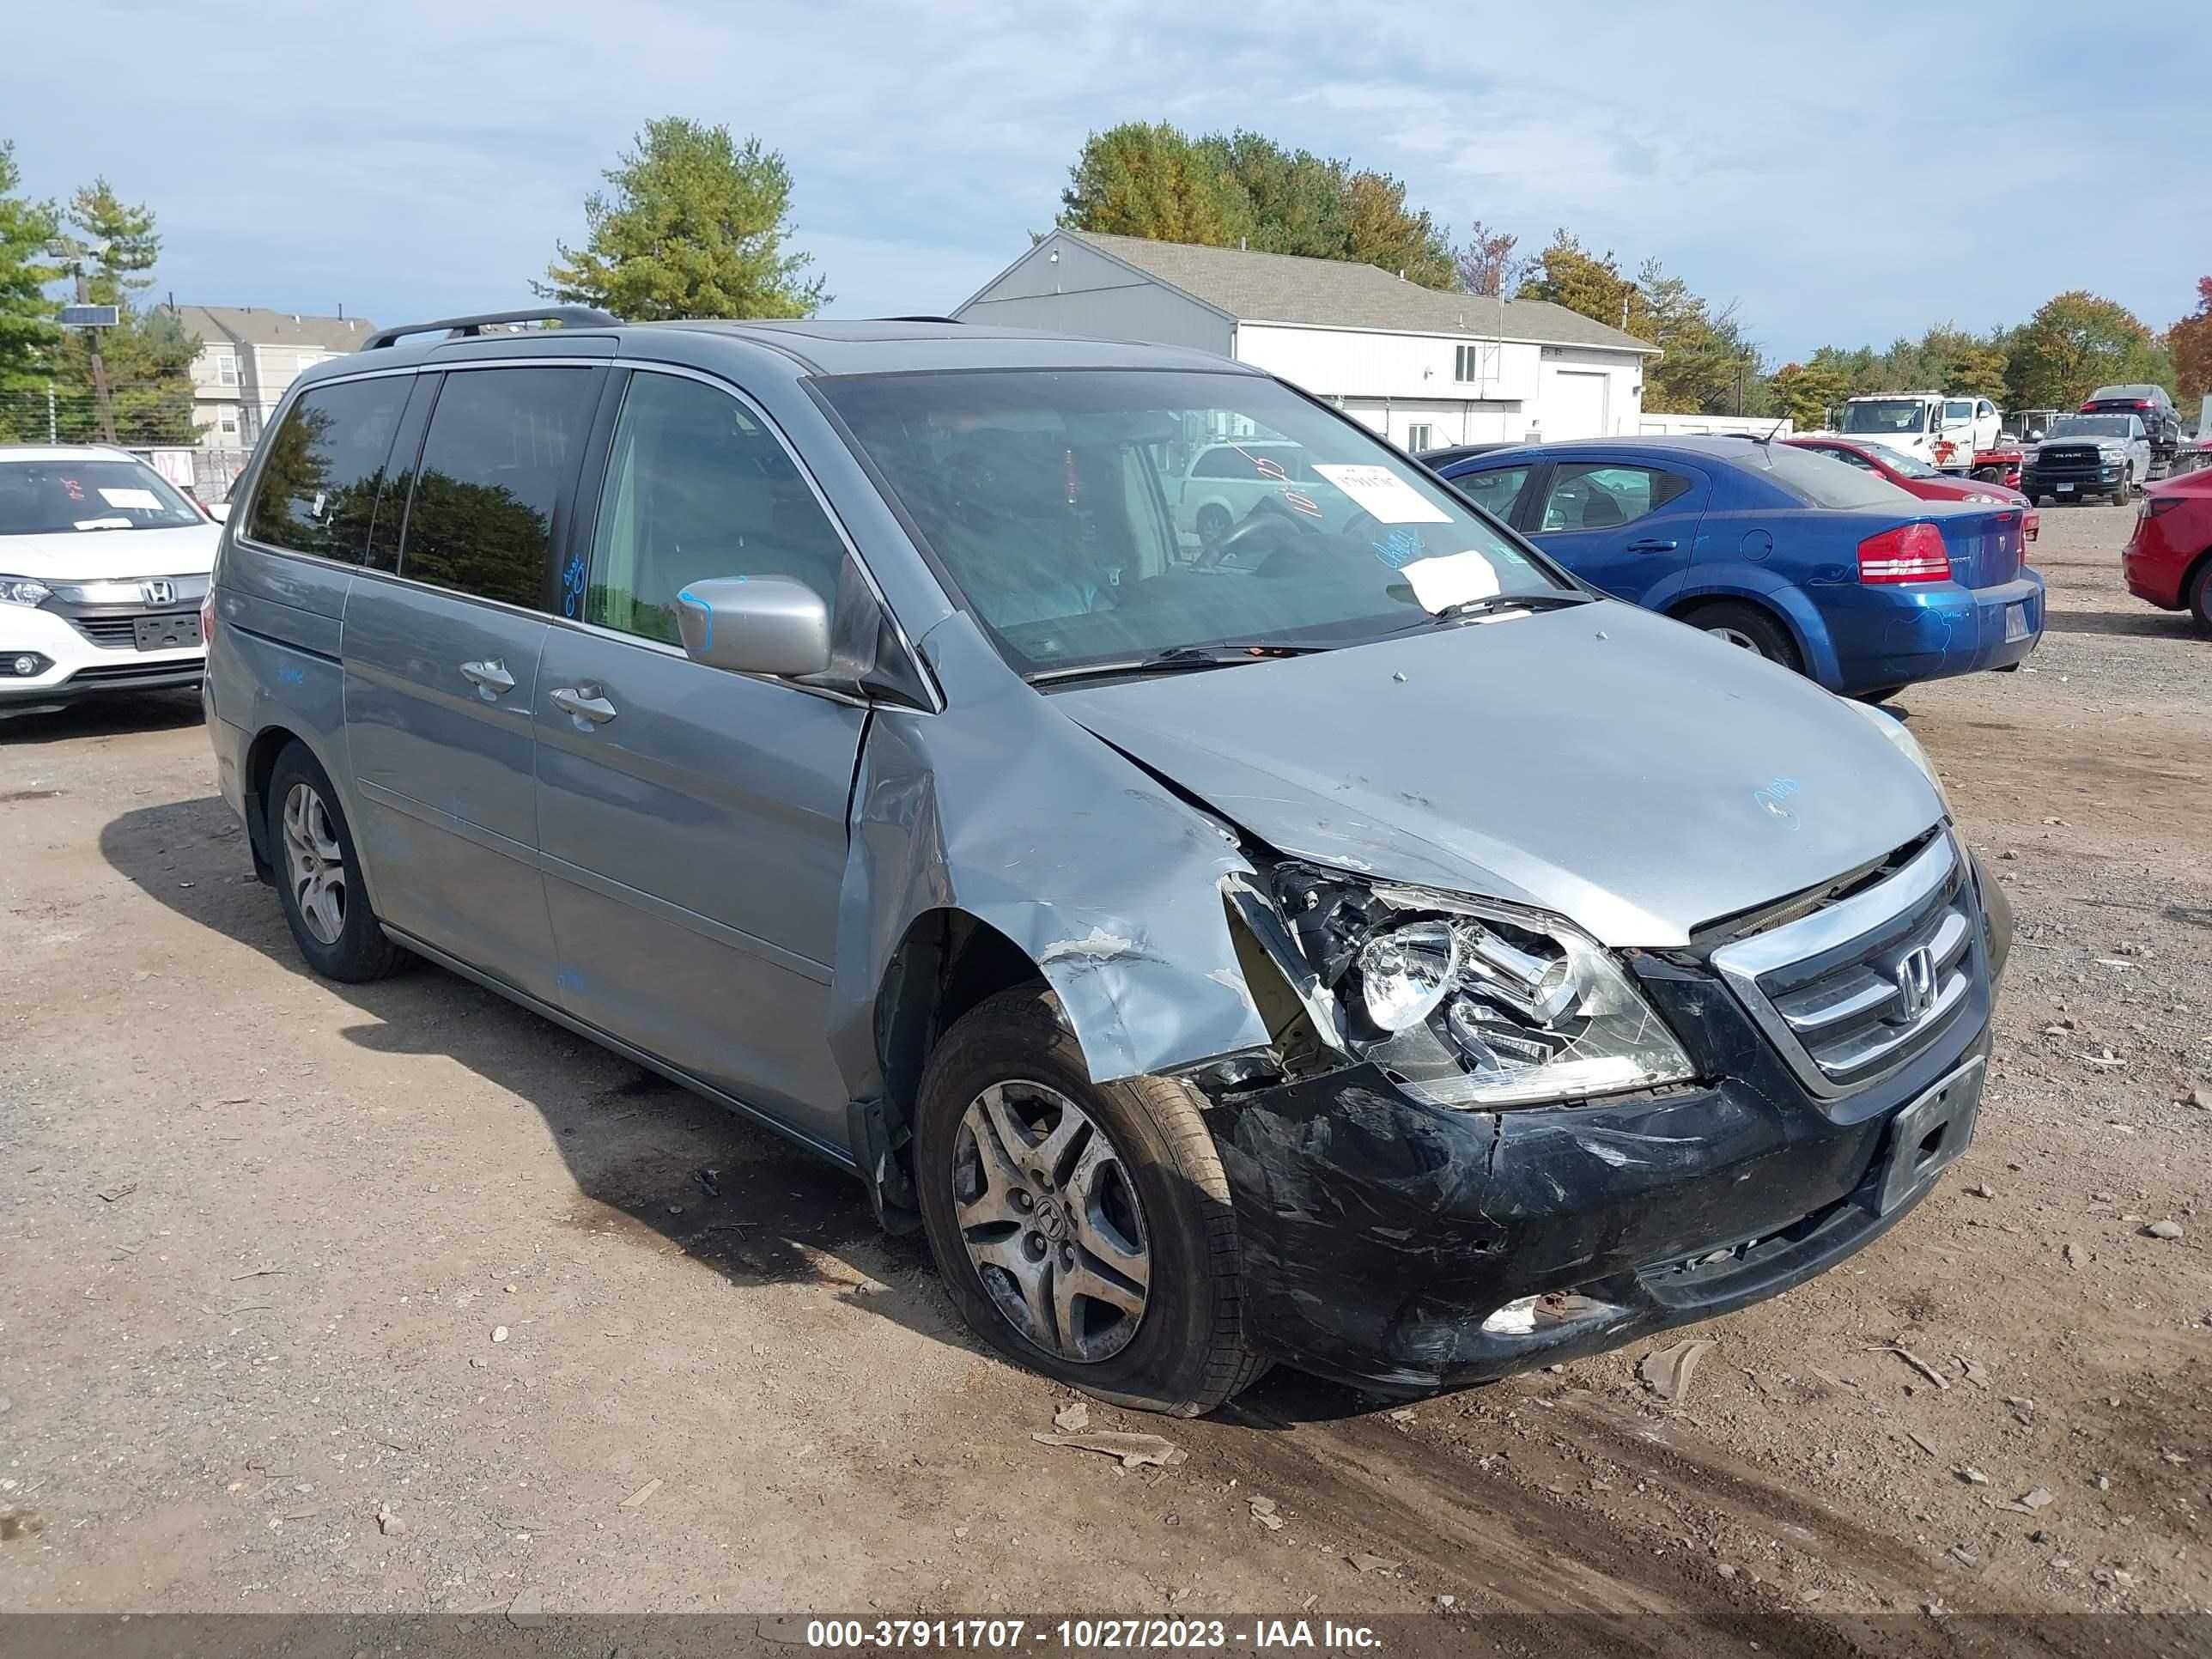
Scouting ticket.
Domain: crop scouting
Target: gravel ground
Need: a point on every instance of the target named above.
(278, 1258)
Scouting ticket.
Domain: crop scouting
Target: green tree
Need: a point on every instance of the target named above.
(1242, 188)
(2076, 342)
(1708, 367)
(109, 252)
(2189, 342)
(1806, 391)
(27, 334)
(697, 225)
(1149, 179)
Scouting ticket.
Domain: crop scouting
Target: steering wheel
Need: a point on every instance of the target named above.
(1256, 524)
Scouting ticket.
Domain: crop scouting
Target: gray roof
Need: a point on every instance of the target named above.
(258, 326)
(1286, 287)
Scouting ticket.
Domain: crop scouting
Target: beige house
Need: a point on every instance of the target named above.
(248, 355)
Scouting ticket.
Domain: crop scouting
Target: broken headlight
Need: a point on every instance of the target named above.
(1465, 1003)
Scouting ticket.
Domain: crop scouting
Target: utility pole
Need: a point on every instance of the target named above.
(91, 318)
(99, 363)
(53, 428)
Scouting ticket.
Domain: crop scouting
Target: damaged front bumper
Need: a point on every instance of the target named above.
(1406, 1247)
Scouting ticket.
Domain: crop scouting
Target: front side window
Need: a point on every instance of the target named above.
(1958, 414)
(1589, 497)
(326, 464)
(46, 498)
(697, 487)
(1896, 417)
(500, 446)
(1495, 492)
(1019, 482)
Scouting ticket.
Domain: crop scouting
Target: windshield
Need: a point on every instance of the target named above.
(1095, 516)
(1897, 461)
(2095, 426)
(1879, 415)
(43, 498)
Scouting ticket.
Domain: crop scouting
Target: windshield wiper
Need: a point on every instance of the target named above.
(1468, 608)
(1224, 654)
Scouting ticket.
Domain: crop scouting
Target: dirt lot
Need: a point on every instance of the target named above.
(277, 1255)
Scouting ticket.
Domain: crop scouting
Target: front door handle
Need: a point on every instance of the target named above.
(584, 705)
(489, 677)
(1651, 544)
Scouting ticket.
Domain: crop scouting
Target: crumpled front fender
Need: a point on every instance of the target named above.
(1001, 807)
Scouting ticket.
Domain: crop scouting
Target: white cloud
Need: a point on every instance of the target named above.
(1845, 176)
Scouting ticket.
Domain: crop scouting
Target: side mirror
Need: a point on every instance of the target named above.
(219, 511)
(755, 625)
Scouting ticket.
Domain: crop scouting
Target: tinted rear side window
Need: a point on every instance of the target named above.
(318, 486)
(1822, 480)
(500, 447)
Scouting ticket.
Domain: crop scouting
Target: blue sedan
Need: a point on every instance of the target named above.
(1829, 570)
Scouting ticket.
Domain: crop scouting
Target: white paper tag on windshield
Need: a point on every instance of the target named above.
(1385, 495)
(145, 501)
(1440, 584)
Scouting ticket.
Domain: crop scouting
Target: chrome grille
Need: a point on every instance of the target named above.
(1854, 990)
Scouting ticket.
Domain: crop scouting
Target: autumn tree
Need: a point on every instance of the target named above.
(2076, 342)
(694, 224)
(1567, 274)
(2189, 342)
(1486, 264)
(1149, 179)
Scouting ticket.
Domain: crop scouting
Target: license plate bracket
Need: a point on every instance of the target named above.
(166, 633)
(1927, 1137)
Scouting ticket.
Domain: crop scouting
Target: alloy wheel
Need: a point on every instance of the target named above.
(314, 864)
(1051, 1221)
(1734, 636)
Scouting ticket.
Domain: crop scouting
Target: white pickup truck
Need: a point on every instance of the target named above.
(1947, 433)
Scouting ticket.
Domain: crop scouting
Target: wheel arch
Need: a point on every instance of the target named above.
(948, 961)
(261, 754)
(1784, 604)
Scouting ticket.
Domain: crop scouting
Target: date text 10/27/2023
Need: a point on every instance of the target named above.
(1094, 1635)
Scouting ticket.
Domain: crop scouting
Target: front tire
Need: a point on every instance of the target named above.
(1084, 1230)
(1752, 629)
(319, 874)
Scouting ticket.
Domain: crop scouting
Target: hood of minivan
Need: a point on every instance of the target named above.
(77, 556)
(1600, 763)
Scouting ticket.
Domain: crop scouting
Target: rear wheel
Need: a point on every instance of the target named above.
(319, 874)
(1749, 628)
(1084, 1229)
(2200, 597)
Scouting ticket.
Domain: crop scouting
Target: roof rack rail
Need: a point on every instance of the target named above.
(918, 320)
(462, 327)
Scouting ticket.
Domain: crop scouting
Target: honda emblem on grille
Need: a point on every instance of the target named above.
(159, 593)
(1916, 982)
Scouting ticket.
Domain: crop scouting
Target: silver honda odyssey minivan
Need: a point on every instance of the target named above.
(1341, 938)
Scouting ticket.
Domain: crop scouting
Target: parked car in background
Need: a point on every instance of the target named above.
(1226, 481)
(103, 566)
(1945, 432)
(1824, 567)
(1915, 476)
(1358, 943)
(2168, 558)
(2085, 455)
(2154, 406)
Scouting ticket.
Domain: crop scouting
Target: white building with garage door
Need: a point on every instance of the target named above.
(1423, 368)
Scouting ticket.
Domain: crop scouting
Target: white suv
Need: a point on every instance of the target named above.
(103, 566)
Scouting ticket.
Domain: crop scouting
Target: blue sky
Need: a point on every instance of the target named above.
(1837, 172)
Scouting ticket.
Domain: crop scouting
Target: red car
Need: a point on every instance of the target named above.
(1916, 477)
(2168, 559)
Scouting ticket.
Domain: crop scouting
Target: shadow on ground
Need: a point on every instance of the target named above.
(95, 718)
(2146, 624)
(651, 1161)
